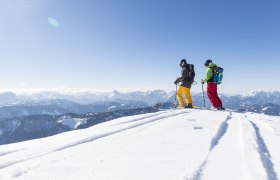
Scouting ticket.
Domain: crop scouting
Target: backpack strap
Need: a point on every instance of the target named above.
(214, 74)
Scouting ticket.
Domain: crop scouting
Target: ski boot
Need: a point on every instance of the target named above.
(189, 105)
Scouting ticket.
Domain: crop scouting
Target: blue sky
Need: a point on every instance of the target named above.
(137, 44)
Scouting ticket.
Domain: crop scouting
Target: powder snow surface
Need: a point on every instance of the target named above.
(167, 145)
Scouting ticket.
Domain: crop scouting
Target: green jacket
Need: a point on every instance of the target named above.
(209, 73)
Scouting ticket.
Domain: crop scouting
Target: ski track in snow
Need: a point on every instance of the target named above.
(197, 175)
(262, 150)
(217, 142)
(222, 130)
(139, 122)
(138, 119)
(264, 154)
(10, 152)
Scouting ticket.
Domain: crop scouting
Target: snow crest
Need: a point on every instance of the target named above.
(173, 144)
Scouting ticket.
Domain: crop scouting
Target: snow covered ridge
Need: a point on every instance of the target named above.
(39, 126)
(165, 145)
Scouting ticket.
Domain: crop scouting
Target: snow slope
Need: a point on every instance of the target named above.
(166, 145)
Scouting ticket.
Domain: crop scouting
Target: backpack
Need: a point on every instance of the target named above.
(218, 73)
(191, 74)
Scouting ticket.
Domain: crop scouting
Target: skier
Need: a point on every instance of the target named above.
(185, 81)
(212, 86)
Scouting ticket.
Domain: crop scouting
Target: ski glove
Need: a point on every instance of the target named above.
(176, 81)
(202, 81)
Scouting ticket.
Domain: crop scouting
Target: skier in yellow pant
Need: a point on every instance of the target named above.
(185, 81)
(184, 90)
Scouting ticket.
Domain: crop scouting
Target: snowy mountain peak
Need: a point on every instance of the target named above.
(156, 91)
(265, 93)
(115, 94)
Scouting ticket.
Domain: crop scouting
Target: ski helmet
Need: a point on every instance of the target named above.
(207, 62)
(183, 62)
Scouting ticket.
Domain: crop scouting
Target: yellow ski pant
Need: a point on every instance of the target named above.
(187, 93)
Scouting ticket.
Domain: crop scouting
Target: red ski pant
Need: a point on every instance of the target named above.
(213, 95)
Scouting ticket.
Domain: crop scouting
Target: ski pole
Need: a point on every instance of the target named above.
(203, 94)
(175, 102)
(175, 94)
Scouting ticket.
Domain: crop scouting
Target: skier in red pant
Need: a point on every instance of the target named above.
(212, 86)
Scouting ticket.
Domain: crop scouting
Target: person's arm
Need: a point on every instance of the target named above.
(208, 75)
(183, 76)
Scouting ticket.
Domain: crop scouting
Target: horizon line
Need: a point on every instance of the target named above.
(96, 90)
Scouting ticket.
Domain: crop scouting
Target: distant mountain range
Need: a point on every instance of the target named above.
(57, 103)
(61, 106)
(84, 97)
(24, 117)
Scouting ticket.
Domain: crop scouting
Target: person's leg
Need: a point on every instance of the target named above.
(179, 96)
(220, 104)
(214, 98)
(211, 93)
(219, 101)
(188, 97)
